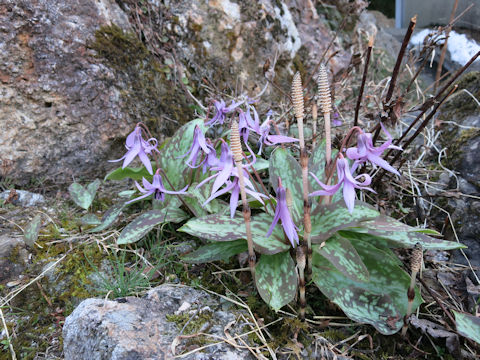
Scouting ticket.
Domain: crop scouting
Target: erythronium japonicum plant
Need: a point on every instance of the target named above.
(310, 206)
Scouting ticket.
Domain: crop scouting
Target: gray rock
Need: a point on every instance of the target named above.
(13, 258)
(75, 78)
(460, 135)
(137, 328)
(24, 198)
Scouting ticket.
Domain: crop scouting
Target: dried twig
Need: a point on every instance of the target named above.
(364, 78)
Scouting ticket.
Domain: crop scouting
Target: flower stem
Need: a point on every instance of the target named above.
(301, 260)
(238, 156)
(297, 98)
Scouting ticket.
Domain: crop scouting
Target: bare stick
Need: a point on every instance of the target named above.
(424, 123)
(297, 97)
(415, 265)
(401, 53)
(444, 48)
(237, 156)
(364, 78)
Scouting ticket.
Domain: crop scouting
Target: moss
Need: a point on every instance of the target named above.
(149, 93)
(462, 104)
(193, 322)
(457, 141)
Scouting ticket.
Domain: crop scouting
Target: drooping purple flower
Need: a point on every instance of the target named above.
(349, 182)
(223, 168)
(199, 144)
(366, 151)
(136, 145)
(156, 188)
(264, 131)
(221, 110)
(233, 186)
(282, 213)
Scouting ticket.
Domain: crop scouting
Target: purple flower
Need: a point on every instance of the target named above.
(336, 120)
(234, 187)
(282, 213)
(349, 182)
(223, 168)
(365, 151)
(264, 132)
(222, 110)
(137, 146)
(156, 188)
(199, 144)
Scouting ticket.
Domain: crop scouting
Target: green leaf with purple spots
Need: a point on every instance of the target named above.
(139, 227)
(82, 196)
(109, 218)
(328, 219)
(90, 219)
(217, 227)
(341, 254)
(397, 234)
(216, 251)
(285, 166)
(468, 325)
(381, 301)
(276, 279)
(31, 231)
(171, 156)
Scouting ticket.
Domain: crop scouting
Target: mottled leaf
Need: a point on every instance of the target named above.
(81, 196)
(197, 196)
(222, 228)
(261, 164)
(171, 156)
(31, 231)
(401, 235)
(468, 325)
(276, 279)
(378, 242)
(139, 227)
(109, 217)
(216, 251)
(90, 219)
(136, 173)
(171, 201)
(328, 219)
(341, 253)
(284, 165)
(381, 301)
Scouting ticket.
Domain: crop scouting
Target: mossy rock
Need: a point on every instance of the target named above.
(150, 92)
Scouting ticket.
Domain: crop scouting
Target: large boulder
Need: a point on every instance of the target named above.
(75, 76)
(147, 328)
(460, 136)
